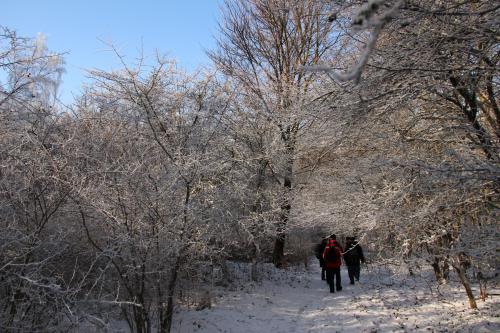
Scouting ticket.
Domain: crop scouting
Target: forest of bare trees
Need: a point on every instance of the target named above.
(378, 118)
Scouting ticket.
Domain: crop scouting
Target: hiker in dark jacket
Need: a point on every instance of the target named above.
(353, 258)
(318, 251)
(333, 260)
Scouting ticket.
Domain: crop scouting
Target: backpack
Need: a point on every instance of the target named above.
(331, 255)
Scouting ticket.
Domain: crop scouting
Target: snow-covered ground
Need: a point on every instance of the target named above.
(295, 300)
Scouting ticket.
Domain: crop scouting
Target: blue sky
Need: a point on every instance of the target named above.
(181, 29)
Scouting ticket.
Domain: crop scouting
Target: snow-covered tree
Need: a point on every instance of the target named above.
(264, 45)
(428, 71)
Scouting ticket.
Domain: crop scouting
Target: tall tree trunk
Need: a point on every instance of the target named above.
(167, 313)
(279, 245)
(256, 208)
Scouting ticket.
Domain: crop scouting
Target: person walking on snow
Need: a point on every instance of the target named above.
(318, 251)
(352, 258)
(333, 260)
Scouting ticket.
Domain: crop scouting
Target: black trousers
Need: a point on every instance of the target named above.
(323, 269)
(353, 272)
(333, 279)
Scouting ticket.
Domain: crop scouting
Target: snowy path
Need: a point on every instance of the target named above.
(301, 302)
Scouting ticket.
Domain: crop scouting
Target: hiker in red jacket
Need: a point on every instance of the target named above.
(333, 260)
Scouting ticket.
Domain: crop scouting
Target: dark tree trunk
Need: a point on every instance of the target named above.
(256, 208)
(278, 252)
(465, 282)
(441, 271)
(167, 313)
(288, 138)
(460, 266)
(482, 286)
(279, 244)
